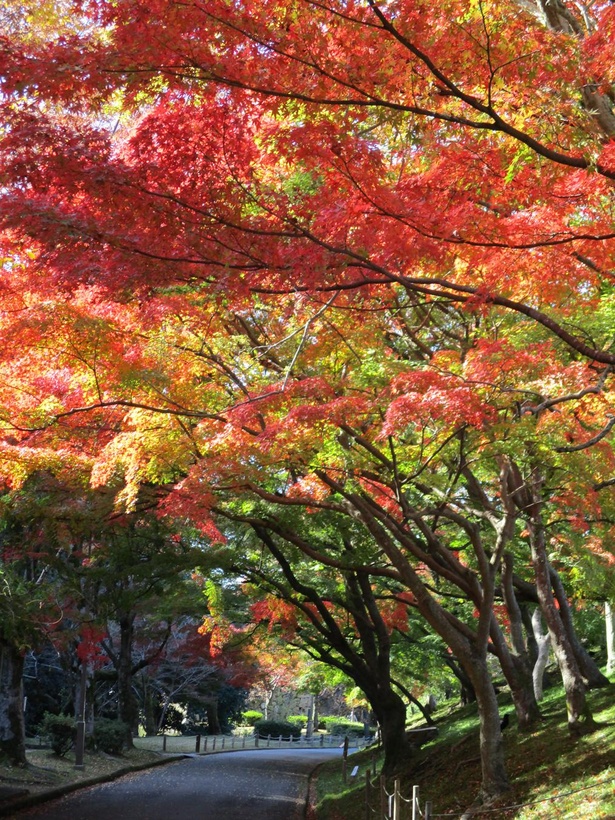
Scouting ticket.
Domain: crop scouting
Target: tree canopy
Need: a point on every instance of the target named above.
(314, 266)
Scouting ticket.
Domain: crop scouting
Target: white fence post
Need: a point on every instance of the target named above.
(415, 803)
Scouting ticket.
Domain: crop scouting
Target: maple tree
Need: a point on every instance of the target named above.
(34, 524)
(337, 619)
(186, 672)
(347, 254)
(76, 578)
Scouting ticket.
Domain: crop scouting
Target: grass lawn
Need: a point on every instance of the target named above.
(48, 771)
(552, 774)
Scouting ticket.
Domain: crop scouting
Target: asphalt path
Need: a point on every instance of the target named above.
(268, 784)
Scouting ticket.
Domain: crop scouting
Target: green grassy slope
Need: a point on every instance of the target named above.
(552, 774)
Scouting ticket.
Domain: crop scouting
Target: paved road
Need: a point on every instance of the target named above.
(269, 784)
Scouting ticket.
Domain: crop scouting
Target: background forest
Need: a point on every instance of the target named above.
(308, 320)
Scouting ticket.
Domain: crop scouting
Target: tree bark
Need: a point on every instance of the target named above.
(609, 616)
(515, 662)
(213, 719)
(518, 675)
(148, 709)
(580, 720)
(390, 712)
(471, 653)
(530, 639)
(128, 709)
(592, 675)
(469, 644)
(543, 642)
(494, 778)
(12, 727)
(512, 607)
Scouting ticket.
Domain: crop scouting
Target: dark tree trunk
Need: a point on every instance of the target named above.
(128, 709)
(213, 719)
(148, 705)
(518, 675)
(471, 653)
(149, 710)
(12, 727)
(390, 711)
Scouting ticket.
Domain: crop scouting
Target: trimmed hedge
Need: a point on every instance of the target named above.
(339, 726)
(250, 717)
(276, 728)
(347, 727)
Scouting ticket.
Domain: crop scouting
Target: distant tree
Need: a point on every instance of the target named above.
(134, 581)
(48, 685)
(32, 599)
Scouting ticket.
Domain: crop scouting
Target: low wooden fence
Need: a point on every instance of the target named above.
(203, 744)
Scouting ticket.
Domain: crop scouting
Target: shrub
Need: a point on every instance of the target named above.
(110, 735)
(345, 727)
(251, 716)
(328, 721)
(192, 729)
(298, 720)
(275, 728)
(60, 730)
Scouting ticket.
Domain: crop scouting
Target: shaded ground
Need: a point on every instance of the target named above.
(259, 785)
(48, 774)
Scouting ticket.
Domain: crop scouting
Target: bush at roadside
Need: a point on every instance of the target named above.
(110, 735)
(276, 728)
(60, 731)
(250, 717)
(339, 726)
